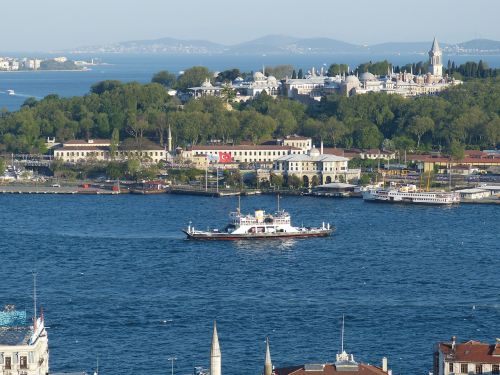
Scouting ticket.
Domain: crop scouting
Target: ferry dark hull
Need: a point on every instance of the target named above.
(256, 236)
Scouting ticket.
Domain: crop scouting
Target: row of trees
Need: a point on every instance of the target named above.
(468, 115)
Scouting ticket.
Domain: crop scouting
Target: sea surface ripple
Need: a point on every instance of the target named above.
(118, 280)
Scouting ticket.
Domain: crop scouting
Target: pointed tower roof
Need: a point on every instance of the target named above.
(268, 365)
(435, 46)
(215, 348)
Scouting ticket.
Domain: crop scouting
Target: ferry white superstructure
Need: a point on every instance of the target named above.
(410, 194)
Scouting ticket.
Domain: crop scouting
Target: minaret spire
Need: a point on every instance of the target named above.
(215, 355)
(169, 139)
(268, 365)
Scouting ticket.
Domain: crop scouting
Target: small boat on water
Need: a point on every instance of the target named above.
(11, 92)
(410, 194)
(257, 227)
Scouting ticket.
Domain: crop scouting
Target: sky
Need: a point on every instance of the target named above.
(35, 25)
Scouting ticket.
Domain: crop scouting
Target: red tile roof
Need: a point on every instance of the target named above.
(82, 148)
(329, 369)
(242, 148)
(471, 352)
(84, 141)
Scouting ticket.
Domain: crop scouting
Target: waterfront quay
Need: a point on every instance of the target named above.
(62, 190)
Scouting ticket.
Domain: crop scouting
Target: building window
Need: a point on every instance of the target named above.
(8, 363)
(479, 369)
(464, 368)
(495, 369)
(450, 367)
(23, 362)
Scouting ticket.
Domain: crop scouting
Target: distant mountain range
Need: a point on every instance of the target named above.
(282, 44)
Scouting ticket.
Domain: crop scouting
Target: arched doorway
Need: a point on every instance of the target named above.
(305, 179)
(328, 179)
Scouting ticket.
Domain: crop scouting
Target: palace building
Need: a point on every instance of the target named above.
(326, 167)
(408, 84)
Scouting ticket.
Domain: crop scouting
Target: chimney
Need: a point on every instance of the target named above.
(321, 150)
(384, 364)
(453, 343)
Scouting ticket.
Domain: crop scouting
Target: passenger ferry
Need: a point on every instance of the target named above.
(258, 226)
(410, 194)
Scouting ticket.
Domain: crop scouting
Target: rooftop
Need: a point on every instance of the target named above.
(471, 351)
(15, 335)
(328, 369)
(313, 158)
(241, 147)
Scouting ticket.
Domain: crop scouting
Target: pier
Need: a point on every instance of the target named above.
(63, 190)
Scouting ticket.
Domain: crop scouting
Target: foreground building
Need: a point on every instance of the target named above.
(224, 154)
(84, 151)
(471, 357)
(24, 348)
(326, 168)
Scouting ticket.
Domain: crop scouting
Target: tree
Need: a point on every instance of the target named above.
(300, 74)
(228, 75)
(133, 167)
(457, 150)
(164, 78)
(228, 93)
(2, 166)
(294, 181)
(419, 125)
(115, 141)
(103, 86)
(336, 69)
(279, 71)
(367, 135)
(276, 180)
(314, 181)
(193, 77)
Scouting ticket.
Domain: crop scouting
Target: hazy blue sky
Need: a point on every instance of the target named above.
(57, 24)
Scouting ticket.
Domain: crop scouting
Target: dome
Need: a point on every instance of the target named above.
(258, 76)
(353, 80)
(314, 152)
(271, 78)
(238, 79)
(367, 76)
(206, 83)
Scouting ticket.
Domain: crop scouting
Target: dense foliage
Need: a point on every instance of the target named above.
(466, 115)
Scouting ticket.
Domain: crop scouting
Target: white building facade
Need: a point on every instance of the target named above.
(24, 349)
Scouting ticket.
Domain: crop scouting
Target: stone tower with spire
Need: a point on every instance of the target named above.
(436, 60)
(215, 356)
(268, 365)
(169, 139)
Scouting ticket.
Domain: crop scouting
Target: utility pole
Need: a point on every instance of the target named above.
(172, 359)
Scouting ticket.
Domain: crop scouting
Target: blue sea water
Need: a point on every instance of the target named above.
(118, 280)
(141, 67)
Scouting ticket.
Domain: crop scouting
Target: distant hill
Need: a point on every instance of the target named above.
(284, 44)
(163, 45)
(476, 46)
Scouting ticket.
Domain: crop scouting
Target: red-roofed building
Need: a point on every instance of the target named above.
(478, 159)
(344, 365)
(262, 154)
(471, 357)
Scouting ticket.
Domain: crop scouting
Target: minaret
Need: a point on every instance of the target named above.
(169, 140)
(268, 365)
(215, 357)
(436, 60)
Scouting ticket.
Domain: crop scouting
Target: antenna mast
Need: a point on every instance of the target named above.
(342, 336)
(34, 295)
